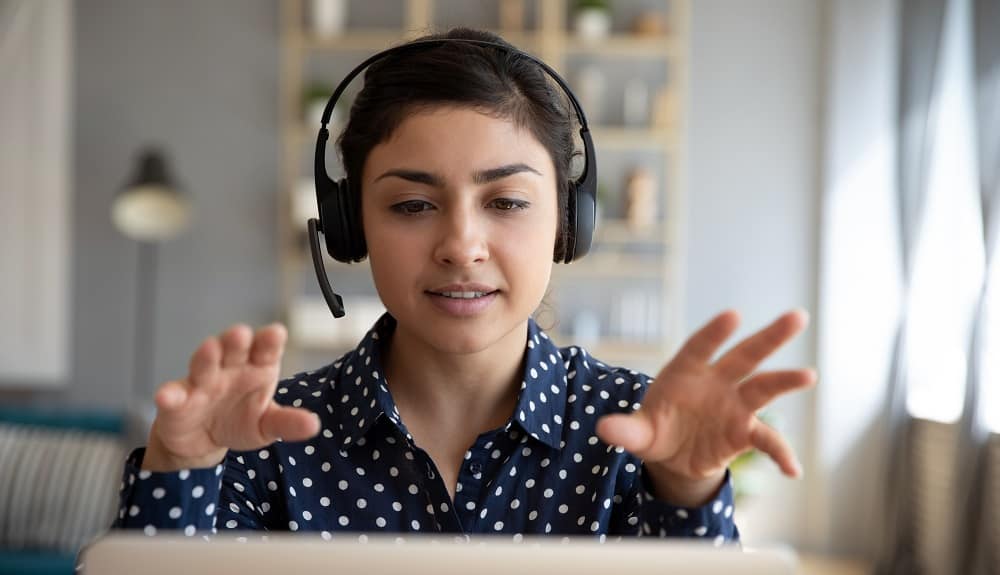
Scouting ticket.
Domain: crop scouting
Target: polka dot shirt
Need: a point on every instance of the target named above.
(544, 471)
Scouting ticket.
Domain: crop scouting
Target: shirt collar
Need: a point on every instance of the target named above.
(361, 395)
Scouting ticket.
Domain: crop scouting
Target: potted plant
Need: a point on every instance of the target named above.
(592, 19)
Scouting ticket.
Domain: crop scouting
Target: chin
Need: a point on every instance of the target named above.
(460, 336)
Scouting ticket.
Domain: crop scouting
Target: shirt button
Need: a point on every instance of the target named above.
(475, 467)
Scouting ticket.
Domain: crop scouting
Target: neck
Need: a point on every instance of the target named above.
(468, 390)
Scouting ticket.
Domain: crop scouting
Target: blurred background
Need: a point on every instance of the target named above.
(835, 155)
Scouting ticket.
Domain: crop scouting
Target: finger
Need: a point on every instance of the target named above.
(171, 396)
(205, 360)
(763, 388)
(288, 423)
(268, 345)
(702, 345)
(632, 431)
(766, 439)
(743, 359)
(236, 345)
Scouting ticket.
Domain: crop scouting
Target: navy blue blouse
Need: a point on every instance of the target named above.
(545, 471)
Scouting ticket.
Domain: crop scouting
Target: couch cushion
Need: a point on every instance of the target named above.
(58, 488)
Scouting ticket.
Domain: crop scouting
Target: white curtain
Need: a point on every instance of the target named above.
(35, 162)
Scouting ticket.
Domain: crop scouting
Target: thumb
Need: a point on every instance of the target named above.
(632, 431)
(288, 423)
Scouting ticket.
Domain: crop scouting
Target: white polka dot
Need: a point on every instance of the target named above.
(444, 507)
(630, 467)
(533, 515)
(515, 504)
(263, 454)
(717, 507)
(397, 506)
(563, 508)
(307, 482)
(292, 525)
(234, 508)
(580, 489)
(343, 520)
(272, 486)
(380, 521)
(174, 513)
(682, 513)
(307, 515)
(415, 524)
(529, 483)
(210, 509)
(470, 505)
(547, 493)
(190, 530)
(361, 503)
(310, 450)
(498, 526)
(413, 489)
(145, 474)
(231, 524)
(700, 530)
(342, 485)
(159, 492)
(149, 530)
(133, 511)
(184, 474)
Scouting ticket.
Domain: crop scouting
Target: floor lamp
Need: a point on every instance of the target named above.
(149, 209)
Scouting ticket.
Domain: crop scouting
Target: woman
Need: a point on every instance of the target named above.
(456, 413)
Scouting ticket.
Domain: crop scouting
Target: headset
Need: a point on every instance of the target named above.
(339, 215)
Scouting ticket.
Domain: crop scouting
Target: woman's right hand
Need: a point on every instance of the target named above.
(226, 402)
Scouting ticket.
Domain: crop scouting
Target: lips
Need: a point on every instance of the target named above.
(463, 291)
(463, 300)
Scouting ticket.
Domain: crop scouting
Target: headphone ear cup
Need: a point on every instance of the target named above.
(354, 236)
(582, 219)
(332, 214)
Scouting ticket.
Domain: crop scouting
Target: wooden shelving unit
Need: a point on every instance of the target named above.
(623, 256)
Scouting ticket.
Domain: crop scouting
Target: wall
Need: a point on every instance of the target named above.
(753, 201)
(198, 78)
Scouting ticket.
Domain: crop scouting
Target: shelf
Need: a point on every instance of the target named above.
(623, 137)
(356, 40)
(615, 231)
(611, 265)
(626, 45)
(611, 350)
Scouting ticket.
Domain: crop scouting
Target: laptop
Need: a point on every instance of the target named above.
(254, 554)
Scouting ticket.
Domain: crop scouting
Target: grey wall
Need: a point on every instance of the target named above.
(753, 202)
(198, 78)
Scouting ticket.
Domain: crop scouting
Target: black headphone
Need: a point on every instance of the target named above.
(339, 219)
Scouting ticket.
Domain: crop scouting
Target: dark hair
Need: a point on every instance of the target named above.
(491, 80)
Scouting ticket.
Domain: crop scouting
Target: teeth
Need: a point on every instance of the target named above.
(463, 294)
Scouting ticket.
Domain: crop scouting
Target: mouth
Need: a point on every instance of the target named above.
(463, 300)
(463, 294)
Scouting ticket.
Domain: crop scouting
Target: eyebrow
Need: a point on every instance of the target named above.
(479, 177)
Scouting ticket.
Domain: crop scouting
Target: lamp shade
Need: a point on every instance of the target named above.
(150, 207)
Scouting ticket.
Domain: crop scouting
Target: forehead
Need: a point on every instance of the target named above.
(457, 141)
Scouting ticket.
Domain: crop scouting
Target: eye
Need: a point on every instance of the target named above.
(509, 205)
(412, 207)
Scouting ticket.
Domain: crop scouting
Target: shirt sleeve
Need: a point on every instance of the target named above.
(192, 501)
(713, 521)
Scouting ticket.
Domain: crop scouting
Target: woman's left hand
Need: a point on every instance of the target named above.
(698, 415)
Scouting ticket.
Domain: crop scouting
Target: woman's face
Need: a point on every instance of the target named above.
(460, 218)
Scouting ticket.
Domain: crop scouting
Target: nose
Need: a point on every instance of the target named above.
(462, 239)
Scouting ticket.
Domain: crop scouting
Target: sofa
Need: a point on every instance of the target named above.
(60, 470)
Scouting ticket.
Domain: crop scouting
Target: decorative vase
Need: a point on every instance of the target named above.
(328, 17)
(592, 23)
